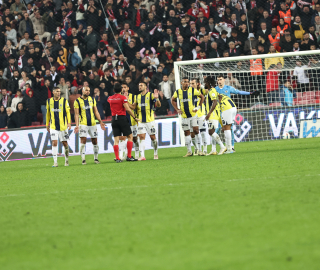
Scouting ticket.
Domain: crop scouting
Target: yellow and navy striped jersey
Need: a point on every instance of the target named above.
(226, 103)
(131, 100)
(211, 96)
(145, 104)
(58, 113)
(202, 110)
(85, 107)
(187, 101)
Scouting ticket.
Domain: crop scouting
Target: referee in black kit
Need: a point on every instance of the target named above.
(120, 125)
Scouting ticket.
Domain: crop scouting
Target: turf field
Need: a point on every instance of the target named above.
(255, 209)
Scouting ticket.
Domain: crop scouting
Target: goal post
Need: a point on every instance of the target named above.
(289, 86)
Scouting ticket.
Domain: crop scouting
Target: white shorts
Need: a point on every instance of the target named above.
(134, 130)
(228, 116)
(201, 123)
(92, 130)
(213, 124)
(149, 128)
(55, 135)
(188, 123)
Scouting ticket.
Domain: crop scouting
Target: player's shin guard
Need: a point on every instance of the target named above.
(55, 153)
(116, 151)
(198, 141)
(95, 151)
(204, 141)
(188, 143)
(227, 134)
(155, 147)
(83, 151)
(216, 137)
(66, 153)
(136, 149)
(129, 148)
(142, 147)
(194, 142)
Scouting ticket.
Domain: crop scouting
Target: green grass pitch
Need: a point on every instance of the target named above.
(255, 209)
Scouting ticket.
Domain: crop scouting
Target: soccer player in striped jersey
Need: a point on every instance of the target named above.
(144, 104)
(188, 110)
(227, 91)
(201, 114)
(133, 124)
(228, 114)
(58, 121)
(85, 114)
(213, 121)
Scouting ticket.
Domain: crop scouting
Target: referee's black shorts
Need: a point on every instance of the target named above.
(121, 126)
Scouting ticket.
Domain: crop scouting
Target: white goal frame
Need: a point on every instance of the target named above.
(178, 66)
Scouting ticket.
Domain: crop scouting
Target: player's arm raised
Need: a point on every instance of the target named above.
(156, 96)
(97, 115)
(76, 119)
(127, 107)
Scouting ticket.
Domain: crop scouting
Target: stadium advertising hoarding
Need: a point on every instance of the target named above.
(36, 143)
(249, 126)
(272, 124)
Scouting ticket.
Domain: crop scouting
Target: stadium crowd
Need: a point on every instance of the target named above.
(71, 44)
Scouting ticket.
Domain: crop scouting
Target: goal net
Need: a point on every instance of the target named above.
(289, 86)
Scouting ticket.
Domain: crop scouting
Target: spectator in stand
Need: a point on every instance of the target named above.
(233, 51)
(11, 67)
(263, 32)
(249, 44)
(64, 88)
(164, 108)
(25, 26)
(100, 100)
(43, 93)
(167, 88)
(3, 117)
(24, 80)
(298, 28)
(12, 119)
(222, 42)
(91, 40)
(272, 82)
(29, 103)
(21, 116)
(306, 42)
(300, 71)
(274, 39)
(5, 98)
(157, 78)
(287, 94)
(274, 60)
(13, 84)
(11, 34)
(74, 60)
(17, 99)
(287, 44)
(39, 25)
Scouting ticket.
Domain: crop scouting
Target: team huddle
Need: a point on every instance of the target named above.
(133, 117)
